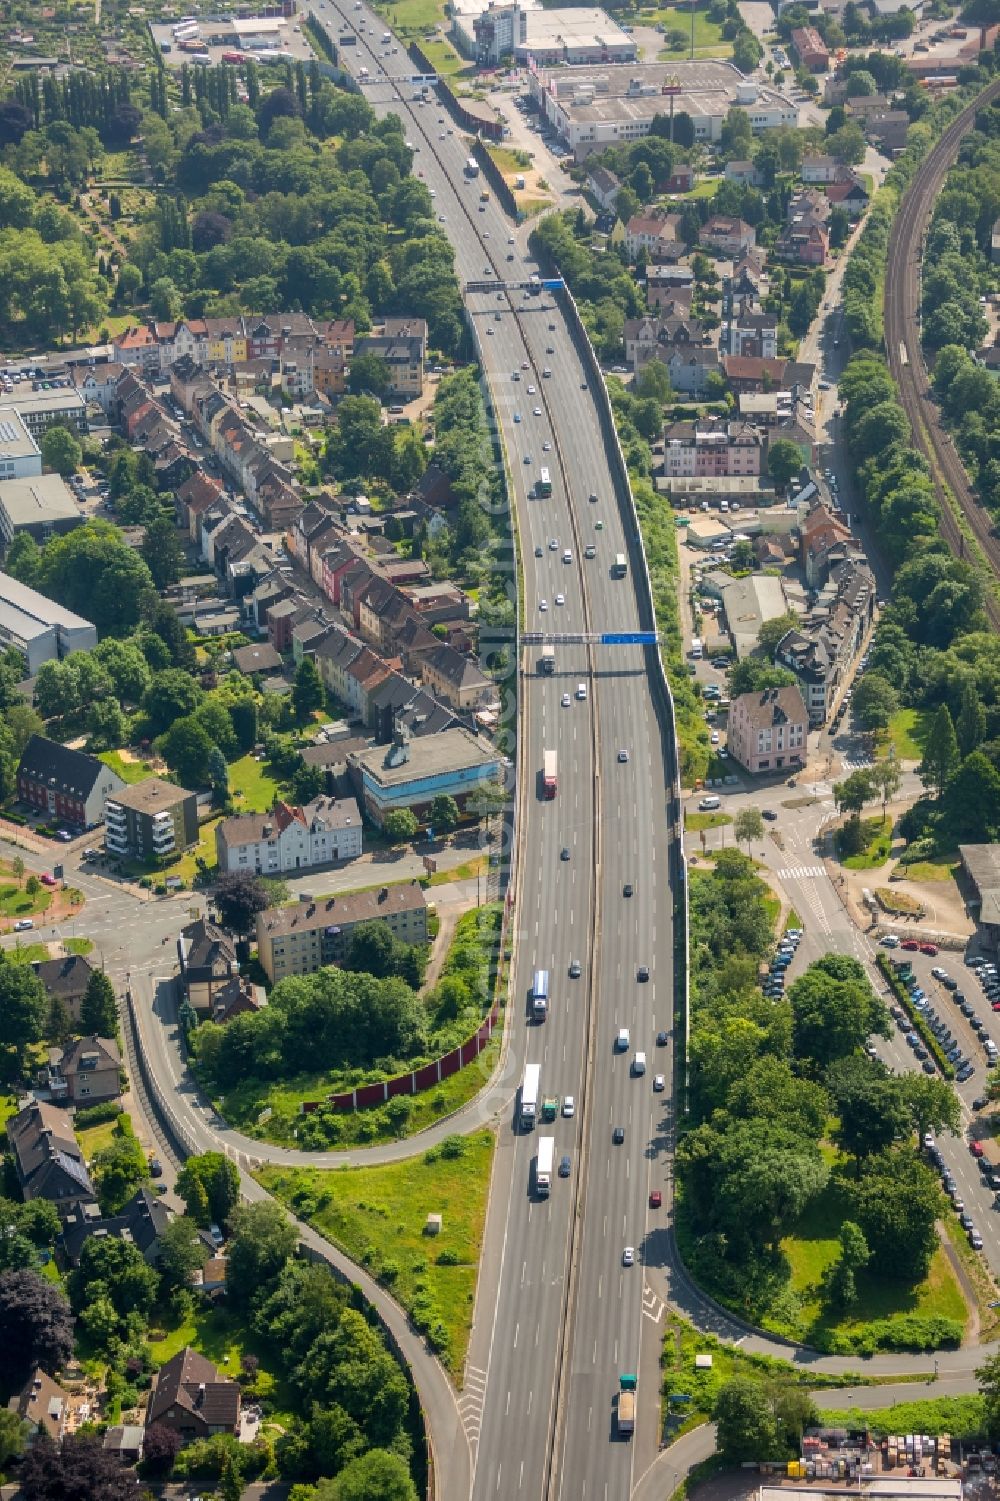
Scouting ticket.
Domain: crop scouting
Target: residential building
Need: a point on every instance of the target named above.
(47, 1157)
(237, 996)
(41, 506)
(43, 1406)
(650, 229)
(40, 629)
(815, 668)
(456, 679)
(819, 532)
(823, 169)
(656, 337)
(290, 838)
(604, 186)
(20, 456)
(412, 772)
(749, 373)
(692, 370)
(850, 193)
(753, 334)
(151, 820)
(768, 730)
(85, 1072)
(65, 978)
(141, 1222)
(125, 1441)
(207, 958)
(306, 936)
(403, 357)
(727, 236)
(259, 659)
(66, 785)
(192, 1398)
(747, 173)
(804, 240)
(711, 446)
(810, 49)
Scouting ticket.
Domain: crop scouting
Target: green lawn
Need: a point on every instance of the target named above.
(877, 845)
(698, 821)
(27, 953)
(129, 771)
(412, 18)
(907, 732)
(793, 920)
(676, 18)
(78, 945)
(95, 1138)
(378, 1214)
(253, 785)
(944, 868)
(15, 901)
(704, 189)
(448, 62)
(510, 161)
(961, 1417)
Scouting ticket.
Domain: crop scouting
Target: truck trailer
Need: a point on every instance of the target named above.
(543, 1165)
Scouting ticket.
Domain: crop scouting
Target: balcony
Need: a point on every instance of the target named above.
(114, 815)
(116, 840)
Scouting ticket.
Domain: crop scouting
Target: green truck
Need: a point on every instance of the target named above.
(550, 1109)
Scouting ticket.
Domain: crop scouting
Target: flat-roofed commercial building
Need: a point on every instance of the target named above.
(20, 457)
(411, 773)
(40, 629)
(591, 109)
(40, 505)
(578, 34)
(42, 404)
(308, 935)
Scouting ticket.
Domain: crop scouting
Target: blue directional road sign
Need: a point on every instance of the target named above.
(628, 638)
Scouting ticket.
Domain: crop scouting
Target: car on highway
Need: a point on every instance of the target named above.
(574, 970)
(564, 852)
(553, 544)
(628, 1256)
(546, 446)
(564, 1166)
(659, 1084)
(543, 605)
(656, 1198)
(642, 973)
(568, 555)
(581, 691)
(535, 411)
(618, 1135)
(560, 599)
(975, 1239)
(627, 889)
(517, 416)
(590, 551)
(623, 755)
(531, 391)
(538, 551)
(566, 701)
(569, 1107)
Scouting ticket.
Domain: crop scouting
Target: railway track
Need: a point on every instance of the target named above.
(905, 355)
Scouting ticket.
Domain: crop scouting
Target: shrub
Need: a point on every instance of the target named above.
(96, 1115)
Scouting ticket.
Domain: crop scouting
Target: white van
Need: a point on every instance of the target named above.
(581, 690)
(723, 505)
(697, 649)
(639, 1063)
(622, 1040)
(709, 804)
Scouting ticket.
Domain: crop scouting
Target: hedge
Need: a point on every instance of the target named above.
(916, 1017)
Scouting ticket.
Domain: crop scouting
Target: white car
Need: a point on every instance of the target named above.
(581, 691)
(628, 1256)
(546, 447)
(531, 390)
(569, 1107)
(715, 737)
(566, 700)
(543, 605)
(560, 599)
(568, 556)
(537, 411)
(659, 1084)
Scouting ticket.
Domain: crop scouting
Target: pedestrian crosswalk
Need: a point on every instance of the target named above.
(799, 872)
(856, 763)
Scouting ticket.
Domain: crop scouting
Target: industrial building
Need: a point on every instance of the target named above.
(530, 34)
(40, 629)
(42, 506)
(20, 457)
(592, 110)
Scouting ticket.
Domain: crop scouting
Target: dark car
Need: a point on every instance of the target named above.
(769, 814)
(627, 889)
(661, 1039)
(155, 1167)
(618, 1135)
(564, 1167)
(642, 973)
(564, 853)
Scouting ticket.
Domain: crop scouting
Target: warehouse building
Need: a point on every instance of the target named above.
(308, 935)
(592, 110)
(41, 630)
(530, 34)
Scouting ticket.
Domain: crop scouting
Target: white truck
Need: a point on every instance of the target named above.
(529, 1095)
(543, 1165)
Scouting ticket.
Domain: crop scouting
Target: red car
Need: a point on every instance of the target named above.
(655, 1199)
(929, 948)
(976, 1148)
(996, 1005)
(49, 880)
(911, 944)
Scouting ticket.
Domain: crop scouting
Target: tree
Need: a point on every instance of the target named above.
(108, 1263)
(872, 1110)
(400, 825)
(378, 1475)
(988, 1376)
(371, 949)
(13, 1433)
(875, 702)
(932, 1103)
(60, 449)
(17, 866)
(847, 144)
(119, 1168)
(162, 552)
(369, 375)
(783, 461)
(745, 1421)
(941, 757)
(886, 778)
(187, 748)
(218, 775)
(59, 1022)
(172, 694)
(307, 689)
(972, 799)
(970, 727)
(23, 1008)
(896, 1202)
(239, 896)
(80, 1468)
(263, 1240)
(161, 1445)
(832, 1016)
(218, 1179)
(181, 1251)
(841, 1290)
(36, 1328)
(748, 826)
(99, 1008)
(444, 813)
(850, 796)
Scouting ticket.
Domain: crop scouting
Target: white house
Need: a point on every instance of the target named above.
(290, 838)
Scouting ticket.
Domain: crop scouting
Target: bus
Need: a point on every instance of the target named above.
(540, 992)
(543, 485)
(472, 167)
(550, 781)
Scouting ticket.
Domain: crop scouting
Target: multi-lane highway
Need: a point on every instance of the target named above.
(558, 1315)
